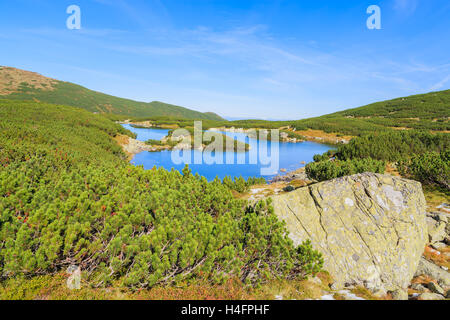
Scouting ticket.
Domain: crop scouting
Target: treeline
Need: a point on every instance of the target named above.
(241, 185)
(326, 170)
(394, 145)
(421, 112)
(430, 106)
(68, 197)
(174, 137)
(430, 168)
(419, 154)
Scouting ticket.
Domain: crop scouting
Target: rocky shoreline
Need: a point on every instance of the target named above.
(131, 146)
(313, 135)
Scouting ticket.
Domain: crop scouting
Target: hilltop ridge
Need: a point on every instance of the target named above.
(17, 84)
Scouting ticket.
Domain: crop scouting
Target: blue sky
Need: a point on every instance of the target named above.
(248, 59)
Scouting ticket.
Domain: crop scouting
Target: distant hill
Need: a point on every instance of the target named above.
(19, 84)
(429, 106)
(430, 111)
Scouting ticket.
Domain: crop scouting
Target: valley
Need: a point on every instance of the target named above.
(70, 197)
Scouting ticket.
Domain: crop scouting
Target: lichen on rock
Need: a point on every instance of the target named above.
(371, 228)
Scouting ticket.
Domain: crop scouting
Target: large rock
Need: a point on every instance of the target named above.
(370, 228)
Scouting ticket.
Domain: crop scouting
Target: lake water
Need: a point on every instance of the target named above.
(291, 156)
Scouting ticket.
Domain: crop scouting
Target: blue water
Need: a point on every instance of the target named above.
(147, 134)
(291, 156)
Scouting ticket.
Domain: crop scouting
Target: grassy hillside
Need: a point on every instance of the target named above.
(68, 197)
(23, 85)
(429, 111)
(430, 106)
(425, 112)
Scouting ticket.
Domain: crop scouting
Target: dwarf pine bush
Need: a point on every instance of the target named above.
(419, 154)
(68, 197)
(327, 170)
(430, 168)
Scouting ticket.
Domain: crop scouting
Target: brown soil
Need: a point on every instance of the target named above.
(131, 147)
(122, 140)
(319, 135)
(391, 170)
(12, 78)
(437, 256)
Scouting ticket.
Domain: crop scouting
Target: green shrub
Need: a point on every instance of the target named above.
(327, 170)
(240, 184)
(430, 168)
(67, 196)
(152, 142)
(393, 146)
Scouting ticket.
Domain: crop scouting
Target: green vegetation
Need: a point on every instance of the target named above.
(394, 145)
(67, 196)
(54, 287)
(153, 142)
(419, 154)
(430, 106)
(425, 111)
(421, 112)
(430, 168)
(176, 136)
(240, 184)
(327, 170)
(69, 94)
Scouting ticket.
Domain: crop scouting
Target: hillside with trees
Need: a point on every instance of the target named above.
(69, 197)
(24, 85)
(429, 111)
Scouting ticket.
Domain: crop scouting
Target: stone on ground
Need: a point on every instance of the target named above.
(370, 228)
(435, 288)
(430, 296)
(435, 272)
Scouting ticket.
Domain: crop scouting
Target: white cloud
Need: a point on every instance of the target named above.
(440, 84)
(406, 7)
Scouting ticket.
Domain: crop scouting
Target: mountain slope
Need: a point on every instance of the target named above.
(68, 197)
(24, 85)
(429, 111)
(433, 105)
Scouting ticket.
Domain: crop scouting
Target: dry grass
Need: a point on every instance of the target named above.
(168, 126)
(366, 294)
(12, 78)
(437, 256)
(292, 290)
(390, 169)
(315, 135)
(54, 288)
(435, 196)
(123, 140)
(423, 279)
